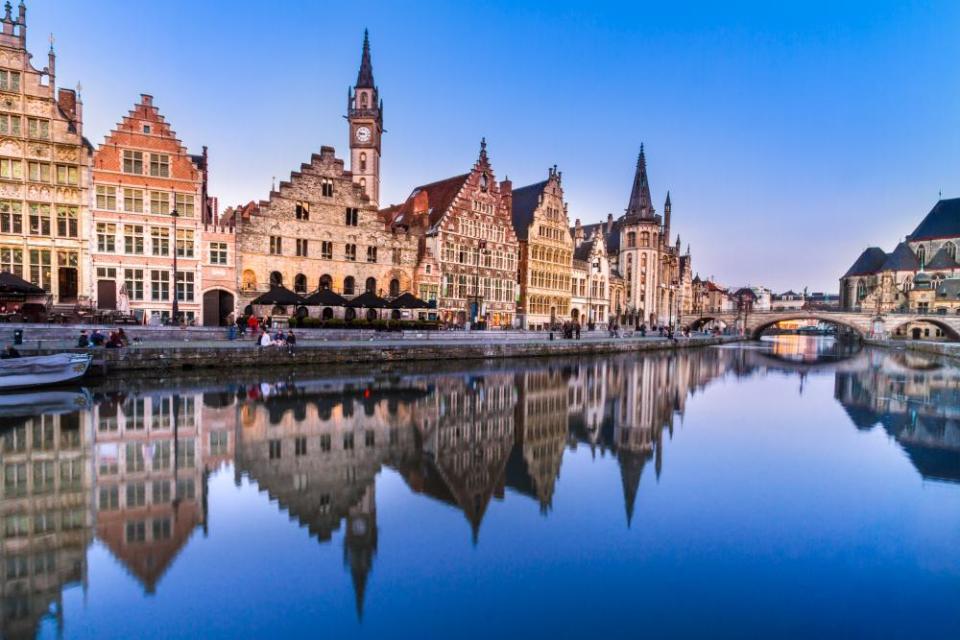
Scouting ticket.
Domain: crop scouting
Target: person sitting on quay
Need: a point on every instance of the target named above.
(264, 339)
(96, 338)
(84, 340)
(9, 352)
(291, 342)
(576, 329)
(241, 325)
(122, 336)
(114, 341)
(253, 324)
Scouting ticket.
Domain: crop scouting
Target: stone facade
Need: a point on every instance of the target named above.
(465, 223)
(881, 282)
(546, 252)
(44, 165)
(319, 230)
(141, 174)
(653, 270)
(590, 285)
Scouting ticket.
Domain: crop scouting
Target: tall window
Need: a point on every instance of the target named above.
(159, 165)
(951, 250)
(11, 218)
(350, 252)
(133, 239)
(9, 80)
(326, 250)
(349, 286)
(303, 210)
(133, 278)
(39, 219)
(10, 125)
(371, 285)
(276, 246)
(11, 260)
(185, 243)
(133, 200)
(326, 188)
(363, 162)
(67, 221)
(159, 285)
(631, 239)
(922, 255)
(394, 288)
(185, 286)
(352, 216)
(38, 172)
(326, 282)
(159, 202)
(371, 254)
(11, 169)
(300, 283)
(276, 279)
(68, 174)
(184, 204)
(301, 247)
(218, 253)
(132, 161)
(106, 198)
(160, 241)
(38, 128)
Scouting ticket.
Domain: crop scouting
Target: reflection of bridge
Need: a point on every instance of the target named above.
(863, 323)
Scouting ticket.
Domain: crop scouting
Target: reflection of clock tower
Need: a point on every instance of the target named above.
(360, 543)
(365, 113)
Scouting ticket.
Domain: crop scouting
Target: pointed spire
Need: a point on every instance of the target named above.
(640, 205)
(666, 205)
(483, 148)
(365, 75)
(631, 468)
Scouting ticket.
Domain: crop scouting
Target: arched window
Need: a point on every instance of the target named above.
(645, 239)
(861, 290)
(363, 100)
(631, 239)
(300, 283)
(371, 314)
(908, 284)
(326, 282)
(951, 250)
(922, 255)
(363, 184)
(348, 286)
(394, 288)
(327, 313)
(363, 162)
(249, 280)
(276, 279)
(371, 285)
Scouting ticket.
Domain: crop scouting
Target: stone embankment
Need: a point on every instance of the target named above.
(164, 349)
(937, 348)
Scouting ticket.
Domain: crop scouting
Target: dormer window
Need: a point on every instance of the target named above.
(484, 183)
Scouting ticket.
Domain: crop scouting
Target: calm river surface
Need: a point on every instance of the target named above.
(793, 488)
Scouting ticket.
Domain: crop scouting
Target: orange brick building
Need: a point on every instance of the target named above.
(141, 174)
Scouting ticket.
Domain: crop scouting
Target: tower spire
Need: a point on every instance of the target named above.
(365, 75)
(640, 205)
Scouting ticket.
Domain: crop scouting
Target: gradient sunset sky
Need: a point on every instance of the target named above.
(790, 135)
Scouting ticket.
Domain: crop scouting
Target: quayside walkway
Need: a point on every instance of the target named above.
(165, 349)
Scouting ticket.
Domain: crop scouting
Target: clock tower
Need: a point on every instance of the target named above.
(365, 115)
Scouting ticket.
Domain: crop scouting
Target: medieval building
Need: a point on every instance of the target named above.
(44, 161)
(546, 252)
(150, 213)
(639, 247)
(466, 230)
(926, 260)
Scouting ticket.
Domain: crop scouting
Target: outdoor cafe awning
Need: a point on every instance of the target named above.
(408, 301)
(278, 295)
(368, 300)
(325, 298)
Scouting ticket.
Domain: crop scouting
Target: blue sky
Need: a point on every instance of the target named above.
(791, 135)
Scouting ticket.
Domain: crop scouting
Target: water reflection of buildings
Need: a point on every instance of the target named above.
(133, 471)
(915, 401)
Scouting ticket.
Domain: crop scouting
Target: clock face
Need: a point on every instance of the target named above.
(363, 134)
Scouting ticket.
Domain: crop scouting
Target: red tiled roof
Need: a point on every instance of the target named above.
(433, 199)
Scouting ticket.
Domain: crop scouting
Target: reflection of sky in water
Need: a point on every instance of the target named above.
(755, 500)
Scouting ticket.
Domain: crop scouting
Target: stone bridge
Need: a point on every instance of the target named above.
(865, 324)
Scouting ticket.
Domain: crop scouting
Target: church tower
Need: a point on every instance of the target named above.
(365, 115)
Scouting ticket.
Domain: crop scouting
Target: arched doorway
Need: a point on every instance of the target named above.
(394, 288)
(371, 285)
(575, 315)
(326, 282)
(276, 279)
(348, 286)
(217, 306)
(300, 283)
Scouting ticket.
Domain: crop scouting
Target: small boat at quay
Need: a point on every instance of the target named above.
(37, 371)
(17, 405)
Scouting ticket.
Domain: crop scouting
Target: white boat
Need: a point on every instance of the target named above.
(36, 371)
(34, 403)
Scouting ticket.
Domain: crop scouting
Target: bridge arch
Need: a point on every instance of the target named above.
(898, 323)
(698, 323)
(762, 324)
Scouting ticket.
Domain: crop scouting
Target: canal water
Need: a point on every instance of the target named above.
(793, 488)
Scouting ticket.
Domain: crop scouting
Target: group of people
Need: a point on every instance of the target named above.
(96, 338)
(277, 339)
(253, 324)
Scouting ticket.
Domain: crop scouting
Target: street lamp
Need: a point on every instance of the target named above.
(176, 308)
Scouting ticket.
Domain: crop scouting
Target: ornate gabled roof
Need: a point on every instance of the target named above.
(640, 204)
(365, 75)
(525, 202)
(943, 221)
(942, 260)
(901, 259)
(429, 200)
(869, 262)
